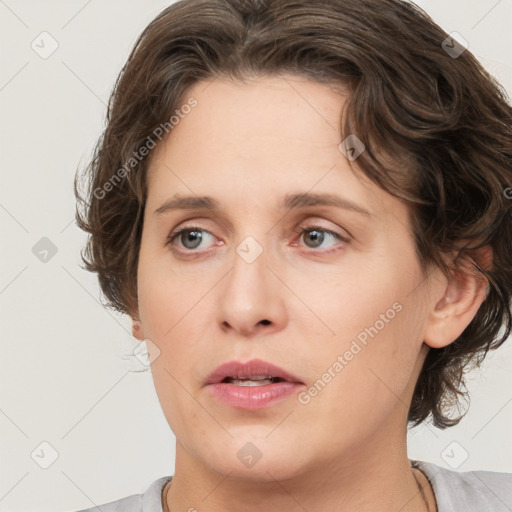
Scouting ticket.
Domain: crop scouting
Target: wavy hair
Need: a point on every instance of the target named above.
(436, 125)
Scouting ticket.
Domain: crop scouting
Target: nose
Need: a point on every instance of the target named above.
(251, 302)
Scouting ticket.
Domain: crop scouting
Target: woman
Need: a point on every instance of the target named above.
(305, 209)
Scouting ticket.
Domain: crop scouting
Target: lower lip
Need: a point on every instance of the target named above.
(253, 397)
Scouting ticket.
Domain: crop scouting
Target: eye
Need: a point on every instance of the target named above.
(315, 236)
(190, 237)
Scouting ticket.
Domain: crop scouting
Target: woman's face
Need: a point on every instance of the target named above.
(331, 293)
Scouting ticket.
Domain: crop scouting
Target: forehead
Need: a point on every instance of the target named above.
(273, 114)
(248, 142)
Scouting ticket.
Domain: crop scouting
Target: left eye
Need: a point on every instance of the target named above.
(317, 235)
(192, 237)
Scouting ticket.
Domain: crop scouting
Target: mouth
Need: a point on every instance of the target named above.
(257, 380)
(252, 373)
(252, 385)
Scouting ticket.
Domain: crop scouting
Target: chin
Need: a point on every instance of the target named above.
(253, 455)
(266, 470)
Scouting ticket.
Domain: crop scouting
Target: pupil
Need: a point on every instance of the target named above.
(319, 237)
(190, 236)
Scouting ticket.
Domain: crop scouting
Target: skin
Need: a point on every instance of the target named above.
(248, 145)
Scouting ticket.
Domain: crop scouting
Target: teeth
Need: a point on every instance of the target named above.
(258, 381)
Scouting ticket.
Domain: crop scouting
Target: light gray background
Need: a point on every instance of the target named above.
(65, 377)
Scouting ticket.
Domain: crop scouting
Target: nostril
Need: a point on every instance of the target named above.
(265, 322)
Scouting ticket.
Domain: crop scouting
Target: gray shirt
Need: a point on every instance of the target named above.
(470, 491)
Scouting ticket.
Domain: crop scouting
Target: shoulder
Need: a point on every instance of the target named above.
(149, 501)
(469, 491)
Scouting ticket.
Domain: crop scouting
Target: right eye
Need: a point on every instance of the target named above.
(190, 237)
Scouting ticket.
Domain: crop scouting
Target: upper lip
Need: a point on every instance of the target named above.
(252, 368)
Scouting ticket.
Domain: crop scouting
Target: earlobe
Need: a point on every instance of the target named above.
(137, 330)
(464, 293)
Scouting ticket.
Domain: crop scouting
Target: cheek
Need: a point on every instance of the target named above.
(170, 305)
(377, 323)
(350, 302)
(371, 381)
(165, 295)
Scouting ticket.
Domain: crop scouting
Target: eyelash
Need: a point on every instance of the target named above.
(300, 231)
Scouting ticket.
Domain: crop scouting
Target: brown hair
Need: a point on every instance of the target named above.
(440, 116)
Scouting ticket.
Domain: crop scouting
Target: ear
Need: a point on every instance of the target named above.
(137, 330)
(462, 294)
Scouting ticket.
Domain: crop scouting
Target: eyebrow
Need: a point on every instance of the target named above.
(300, 200)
